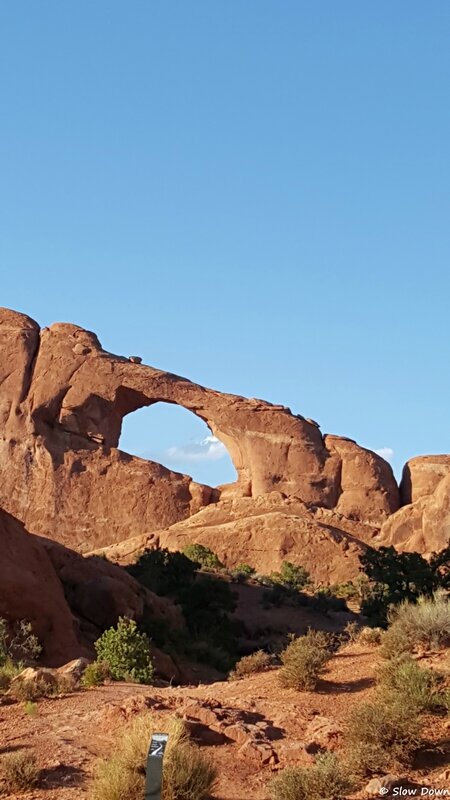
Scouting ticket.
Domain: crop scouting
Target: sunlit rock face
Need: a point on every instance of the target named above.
(62, 402)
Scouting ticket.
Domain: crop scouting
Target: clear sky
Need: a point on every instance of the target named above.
(250, 193)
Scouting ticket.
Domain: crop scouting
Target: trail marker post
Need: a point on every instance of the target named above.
(153, 783)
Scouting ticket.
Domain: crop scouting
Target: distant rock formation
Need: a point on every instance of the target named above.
(423, 523)
(316, 499)
(62, 402)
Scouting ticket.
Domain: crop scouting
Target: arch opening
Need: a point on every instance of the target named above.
(175, 437)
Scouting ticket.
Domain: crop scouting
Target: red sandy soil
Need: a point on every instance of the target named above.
(69, 733)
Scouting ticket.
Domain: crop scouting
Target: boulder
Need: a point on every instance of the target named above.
(380, 787)
(322, 734)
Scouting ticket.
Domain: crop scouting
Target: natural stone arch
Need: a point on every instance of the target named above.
(62, 401)
(178, 439)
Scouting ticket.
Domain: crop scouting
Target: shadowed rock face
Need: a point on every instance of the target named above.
(67, 598)
(62, 402)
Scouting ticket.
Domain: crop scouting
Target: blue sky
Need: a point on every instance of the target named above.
(253, 194)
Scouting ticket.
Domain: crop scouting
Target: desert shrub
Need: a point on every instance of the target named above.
(126, 652)
(363, 634)
(394, 642)
(18, 772)
(162, 571)
(397, 577)
(370, 636)
(188, 774)
(405, 681)
(18, 643)
(304, 660)
(350, 590)
(206, 607)
(327, 779)
(94, 675)
(248, 665)
(246, 570)
(351, 632)
(324, 600)
(8, 671)
(28, 691)
(242, 572)
(292, 576)
(200, 554)
(425, 623)
(382, 735)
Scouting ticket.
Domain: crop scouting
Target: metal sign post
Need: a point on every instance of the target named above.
(153, 783)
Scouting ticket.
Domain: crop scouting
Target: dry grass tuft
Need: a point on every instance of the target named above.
(18, 772)
(326, 780)
(382, 735)
(403, 680)
(249, 665)
(304, 660)
(422, 624)
(188, 774)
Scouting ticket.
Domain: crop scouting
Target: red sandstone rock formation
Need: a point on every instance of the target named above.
(62, 402)
(30, 589)
(68, 599)
(264, 532)
(423, 523)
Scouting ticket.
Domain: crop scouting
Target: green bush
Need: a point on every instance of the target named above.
(381, 736)
(246, 570)
(304, 660)
(405, 681)
(207, 601)
(203, 556)
(126, 652)
(291, 576)
(206, 606)
(350, 590)
(395, 642)
(249, 665)
(162, 571)
(326, 780)
(94, 675)
(8, 671)
(398, 577)
(242, 573)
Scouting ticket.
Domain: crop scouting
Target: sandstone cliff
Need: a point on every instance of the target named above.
(300, 494)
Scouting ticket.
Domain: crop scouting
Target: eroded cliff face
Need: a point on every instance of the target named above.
(62, 402)
(423, 522)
